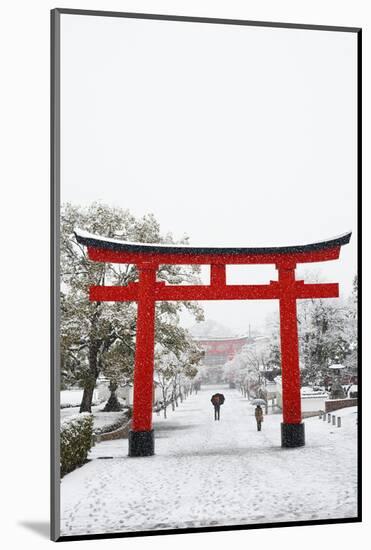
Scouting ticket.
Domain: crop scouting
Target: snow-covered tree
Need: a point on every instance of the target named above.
(351, 361)
(90, 329)
(327, 334)
(323, 338)
(236, 371)
(166, 366)
(174, 372)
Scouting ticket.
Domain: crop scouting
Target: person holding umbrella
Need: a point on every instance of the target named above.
(217, 400)
(259, 417)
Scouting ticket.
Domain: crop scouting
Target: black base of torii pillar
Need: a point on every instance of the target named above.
(292, 435)
(141, 443)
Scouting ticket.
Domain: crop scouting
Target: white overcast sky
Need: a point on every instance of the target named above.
(232, 135)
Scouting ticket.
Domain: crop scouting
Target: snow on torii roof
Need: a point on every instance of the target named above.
(96, 241)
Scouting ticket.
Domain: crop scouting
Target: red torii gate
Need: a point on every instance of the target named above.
(148, 257)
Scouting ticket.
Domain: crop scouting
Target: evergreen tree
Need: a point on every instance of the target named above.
(327, 334)
(89, 330)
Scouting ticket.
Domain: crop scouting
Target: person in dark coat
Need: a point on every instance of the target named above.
(259, 417)
(217, 400)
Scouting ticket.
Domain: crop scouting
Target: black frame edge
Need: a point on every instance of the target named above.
(54, 271)
(359, 266)
(214, 20)
(190, 530)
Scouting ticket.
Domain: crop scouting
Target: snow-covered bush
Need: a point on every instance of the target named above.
(76, 441)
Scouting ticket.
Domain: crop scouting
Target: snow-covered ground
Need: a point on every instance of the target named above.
(215, 473)
(73, 397)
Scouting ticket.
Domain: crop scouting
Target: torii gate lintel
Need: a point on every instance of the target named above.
(148, 257)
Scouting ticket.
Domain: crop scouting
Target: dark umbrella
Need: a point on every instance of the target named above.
(220, 396)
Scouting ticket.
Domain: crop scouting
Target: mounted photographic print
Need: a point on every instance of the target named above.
(205, 274)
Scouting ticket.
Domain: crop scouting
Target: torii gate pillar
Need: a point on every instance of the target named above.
(292, 427)
(141, 437)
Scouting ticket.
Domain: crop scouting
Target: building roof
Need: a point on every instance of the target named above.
(219, 338)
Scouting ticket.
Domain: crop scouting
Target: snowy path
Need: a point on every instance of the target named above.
(214, 473)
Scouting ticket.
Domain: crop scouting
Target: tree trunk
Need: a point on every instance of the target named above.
(164, 401)
(91, 379)
(87, 398)
(175, 397)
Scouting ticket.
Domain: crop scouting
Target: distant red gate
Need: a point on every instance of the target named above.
(148, 257)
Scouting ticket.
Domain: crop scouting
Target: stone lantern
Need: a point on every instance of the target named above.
(337, 391)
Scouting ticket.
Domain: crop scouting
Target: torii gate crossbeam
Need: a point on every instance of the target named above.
(148, 257)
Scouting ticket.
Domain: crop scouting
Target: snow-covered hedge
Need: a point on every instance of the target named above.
(76, 441)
